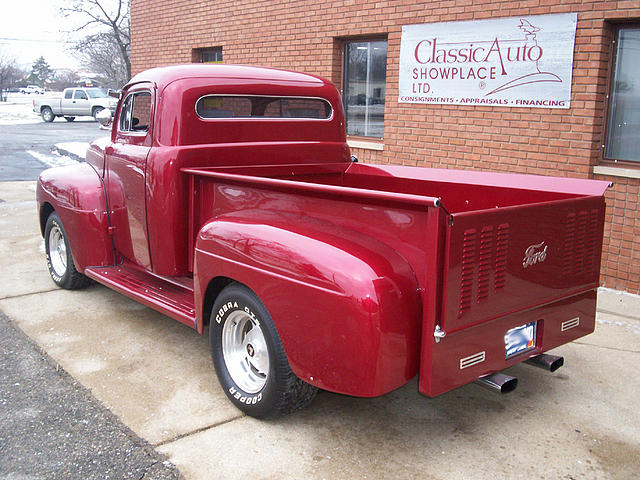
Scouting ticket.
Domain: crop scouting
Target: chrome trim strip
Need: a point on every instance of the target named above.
(574, 322)
(471, 360)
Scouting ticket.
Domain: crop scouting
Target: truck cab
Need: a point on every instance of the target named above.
(164, 124)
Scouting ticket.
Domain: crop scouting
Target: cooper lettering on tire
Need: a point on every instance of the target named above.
(249, 358)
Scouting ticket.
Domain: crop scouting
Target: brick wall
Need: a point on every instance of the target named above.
(307, 36)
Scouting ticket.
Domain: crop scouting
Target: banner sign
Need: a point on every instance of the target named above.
(513, 62)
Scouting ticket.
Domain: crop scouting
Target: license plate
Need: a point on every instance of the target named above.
(520, 339)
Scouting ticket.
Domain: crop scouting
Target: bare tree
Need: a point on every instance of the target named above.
(112, 38)
(64, 79)
(96, 53)
(9, 74)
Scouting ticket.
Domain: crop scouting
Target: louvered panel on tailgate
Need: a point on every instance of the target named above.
(502, 247)
(484, 262)
(468, 267)
(579, 253)
(569, 244)
(580, 243)
(592, 240)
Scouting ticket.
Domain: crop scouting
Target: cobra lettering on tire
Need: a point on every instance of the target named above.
(249, 358)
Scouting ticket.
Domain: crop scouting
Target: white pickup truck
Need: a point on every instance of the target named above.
(74, 102)
(32, 89)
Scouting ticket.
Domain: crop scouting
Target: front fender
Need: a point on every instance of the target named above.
(76, 193)
(345, 305)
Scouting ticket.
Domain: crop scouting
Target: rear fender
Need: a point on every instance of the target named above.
(345, 305)
(76, 193)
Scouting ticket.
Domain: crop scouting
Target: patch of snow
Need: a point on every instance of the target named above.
(54, 160)
(14, 97)
(622, 296)
(75, 148)
(17, 114)
(629, 326)
(622, 303)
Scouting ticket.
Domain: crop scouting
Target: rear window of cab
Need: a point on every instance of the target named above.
(254, 106)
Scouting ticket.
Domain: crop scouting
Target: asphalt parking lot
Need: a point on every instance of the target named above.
(146, 383)
(27, 148)
(53, 428)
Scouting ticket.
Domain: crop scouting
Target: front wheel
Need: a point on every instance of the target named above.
(95, 112)
(47, 115)
(59, 260)
(249, 358)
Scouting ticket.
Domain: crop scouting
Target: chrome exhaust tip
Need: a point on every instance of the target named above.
(547, 362)
(498, 382)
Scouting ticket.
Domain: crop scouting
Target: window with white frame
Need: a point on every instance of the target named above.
(623, 122)
(364, 87)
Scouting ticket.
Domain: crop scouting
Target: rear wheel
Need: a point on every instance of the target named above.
(59, 260)
(249, 357)
(47, 114)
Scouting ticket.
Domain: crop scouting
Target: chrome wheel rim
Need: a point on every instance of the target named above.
(47, 115)
(57, 251)
(245, 351)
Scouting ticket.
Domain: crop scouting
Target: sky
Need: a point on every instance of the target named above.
(30, 28)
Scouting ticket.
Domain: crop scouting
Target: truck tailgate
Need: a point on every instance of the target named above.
(507, 267)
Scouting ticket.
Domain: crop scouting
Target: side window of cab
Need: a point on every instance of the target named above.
(135, 114)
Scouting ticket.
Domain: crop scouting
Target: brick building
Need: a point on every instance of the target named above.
(357, 45)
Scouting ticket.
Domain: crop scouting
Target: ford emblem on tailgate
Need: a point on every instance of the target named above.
(533, 254)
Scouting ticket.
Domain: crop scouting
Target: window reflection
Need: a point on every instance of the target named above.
(365, 76)
(623, 128)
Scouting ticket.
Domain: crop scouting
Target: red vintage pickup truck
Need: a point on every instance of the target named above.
(226, 197)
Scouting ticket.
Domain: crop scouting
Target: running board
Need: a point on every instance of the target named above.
(173, 300)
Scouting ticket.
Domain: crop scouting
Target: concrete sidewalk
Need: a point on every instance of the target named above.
(155, 375)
